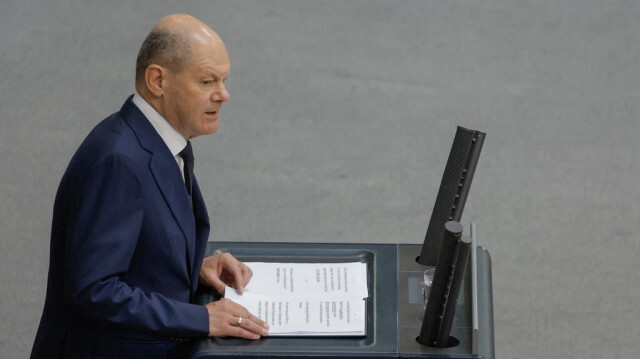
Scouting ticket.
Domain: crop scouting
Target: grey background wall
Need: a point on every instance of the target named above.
(341, 118)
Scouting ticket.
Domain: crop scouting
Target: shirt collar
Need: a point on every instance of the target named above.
(170, 136)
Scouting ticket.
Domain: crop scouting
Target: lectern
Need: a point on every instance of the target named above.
(395, 308)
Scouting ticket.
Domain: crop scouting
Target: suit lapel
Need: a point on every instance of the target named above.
(172, 187)
(165, 171)
(202, 231)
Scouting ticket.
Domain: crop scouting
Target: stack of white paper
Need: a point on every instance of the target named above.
(307, 298)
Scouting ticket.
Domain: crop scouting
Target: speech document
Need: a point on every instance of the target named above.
(307, 299)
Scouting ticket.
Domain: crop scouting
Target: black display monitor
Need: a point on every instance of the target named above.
(454, 188)
(444, 246)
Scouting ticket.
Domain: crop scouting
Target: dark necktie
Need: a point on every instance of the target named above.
(187, 157)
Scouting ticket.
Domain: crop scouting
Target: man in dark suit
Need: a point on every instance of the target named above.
(130, 225)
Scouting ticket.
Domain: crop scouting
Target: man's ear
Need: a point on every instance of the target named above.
(154, 77)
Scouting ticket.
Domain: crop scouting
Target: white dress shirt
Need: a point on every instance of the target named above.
(174, 140)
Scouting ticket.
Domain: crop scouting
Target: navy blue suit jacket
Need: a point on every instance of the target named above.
(127, 244)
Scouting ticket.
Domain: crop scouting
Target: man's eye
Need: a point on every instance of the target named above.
(207, 82)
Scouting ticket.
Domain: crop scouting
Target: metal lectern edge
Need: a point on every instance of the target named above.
(486, 344)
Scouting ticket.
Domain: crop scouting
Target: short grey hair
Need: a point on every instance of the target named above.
(164, 48)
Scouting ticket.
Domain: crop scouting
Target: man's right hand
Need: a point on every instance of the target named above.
(224, 316)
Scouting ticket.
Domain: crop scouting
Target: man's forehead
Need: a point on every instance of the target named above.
(210, 68)
(211, 51)
(214, 61)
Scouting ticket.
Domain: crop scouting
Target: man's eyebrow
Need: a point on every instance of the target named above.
(214, 75)
(225, 77)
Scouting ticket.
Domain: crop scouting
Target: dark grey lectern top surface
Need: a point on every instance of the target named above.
(394, 310)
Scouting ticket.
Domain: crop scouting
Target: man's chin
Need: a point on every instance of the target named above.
(212, 128)
(208, 130)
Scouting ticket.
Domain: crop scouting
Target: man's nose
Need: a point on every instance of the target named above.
(222, 95)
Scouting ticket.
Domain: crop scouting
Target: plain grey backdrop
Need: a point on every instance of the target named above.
(341, 118)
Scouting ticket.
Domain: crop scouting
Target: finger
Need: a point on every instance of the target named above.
(243, 333)
(257, 321)
(251, 326)
(235, 268)
(209, 273)
(247, 273)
